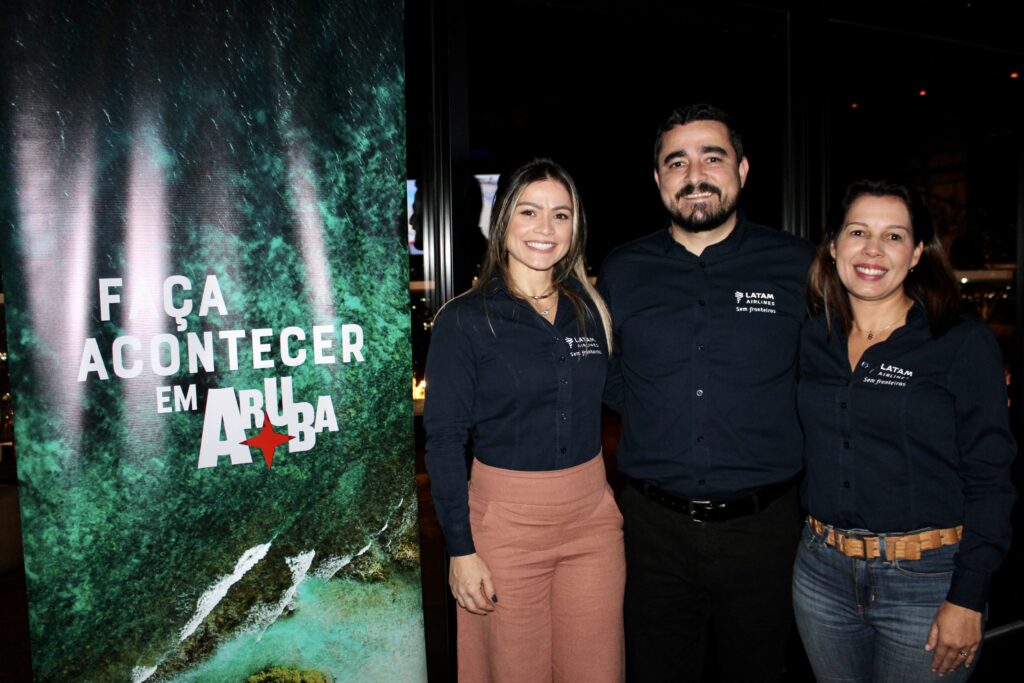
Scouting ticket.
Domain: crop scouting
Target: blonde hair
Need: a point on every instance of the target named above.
(573, 264)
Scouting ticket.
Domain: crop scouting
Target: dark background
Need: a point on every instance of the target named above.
(919, 92)
(824, 93)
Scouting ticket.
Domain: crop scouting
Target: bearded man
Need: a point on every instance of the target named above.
(707, 317)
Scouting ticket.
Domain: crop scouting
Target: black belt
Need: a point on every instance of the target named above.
(715, 510)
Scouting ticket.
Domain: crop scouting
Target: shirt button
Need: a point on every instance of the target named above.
(846, 444)
(700, 392)
(702, 264)
(700, 347)
(566, 381)
(700, 482)
(842, 404)
(562, 449)
(564, 418)
(863, 363)
(700, 302)
(561, 359)
(846, 484)
(700, 439)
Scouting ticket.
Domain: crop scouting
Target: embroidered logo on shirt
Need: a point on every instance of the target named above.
(580, 347)
(754, 302)
(887, 375)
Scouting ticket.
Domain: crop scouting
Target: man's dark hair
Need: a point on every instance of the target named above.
(698, 112)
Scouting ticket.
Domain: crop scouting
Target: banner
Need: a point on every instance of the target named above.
(206, 285)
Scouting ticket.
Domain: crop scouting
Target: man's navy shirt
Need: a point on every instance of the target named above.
(704, 368)
(915, 436)
(526, 390)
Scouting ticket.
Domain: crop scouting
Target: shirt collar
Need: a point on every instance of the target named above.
(917, 321)
(917, 315)
(729, 245)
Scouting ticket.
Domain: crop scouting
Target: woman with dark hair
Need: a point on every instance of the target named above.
(518, 364)
(907, 453)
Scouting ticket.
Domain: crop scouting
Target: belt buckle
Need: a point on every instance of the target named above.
(862, 537)
(696, 507)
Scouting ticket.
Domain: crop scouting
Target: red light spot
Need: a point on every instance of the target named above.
(855, 105)
(922, 92)
(1014, 74)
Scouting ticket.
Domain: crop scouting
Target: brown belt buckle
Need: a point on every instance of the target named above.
(858, 545)
(849, 544)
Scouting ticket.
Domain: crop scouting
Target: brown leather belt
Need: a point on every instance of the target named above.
(897, 546)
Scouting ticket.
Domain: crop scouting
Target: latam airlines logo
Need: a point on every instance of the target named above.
(581, 347)
(754, 302)
(886, 375)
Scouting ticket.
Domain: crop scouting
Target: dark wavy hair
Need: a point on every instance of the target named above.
(931, 282)
(698, 112)
(510, 188)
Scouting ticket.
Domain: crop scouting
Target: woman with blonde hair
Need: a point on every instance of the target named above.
(517, 364)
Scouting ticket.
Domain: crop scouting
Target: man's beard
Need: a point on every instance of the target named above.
(701, 220)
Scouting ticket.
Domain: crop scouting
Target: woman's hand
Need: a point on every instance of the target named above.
(954, 630)
(471, 584)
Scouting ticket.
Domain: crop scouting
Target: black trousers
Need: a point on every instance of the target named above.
(685, 579)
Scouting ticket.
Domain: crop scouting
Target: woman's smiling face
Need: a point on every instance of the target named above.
(541, 229)
(875, 248)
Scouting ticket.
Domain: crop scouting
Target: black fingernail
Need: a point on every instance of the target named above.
(494, 598)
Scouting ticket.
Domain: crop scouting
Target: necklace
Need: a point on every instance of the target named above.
(540, 297)
(872, 332)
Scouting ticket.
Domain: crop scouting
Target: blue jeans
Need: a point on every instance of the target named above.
(868, 620)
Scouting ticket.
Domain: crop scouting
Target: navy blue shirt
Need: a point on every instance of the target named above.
(917, 436)
(526, 390)
(704, 368)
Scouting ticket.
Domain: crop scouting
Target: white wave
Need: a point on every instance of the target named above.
(215, 593)
(331, 566)
(141, 673)
(299, 565)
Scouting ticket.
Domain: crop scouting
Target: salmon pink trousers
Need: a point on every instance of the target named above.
(553, 543)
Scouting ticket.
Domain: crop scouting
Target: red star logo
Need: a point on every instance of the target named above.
(267, 440)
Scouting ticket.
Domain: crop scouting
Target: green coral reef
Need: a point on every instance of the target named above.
(266, 123)
(280, 674)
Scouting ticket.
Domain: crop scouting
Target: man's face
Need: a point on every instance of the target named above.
(699, 176)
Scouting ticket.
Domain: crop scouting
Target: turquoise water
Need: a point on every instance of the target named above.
(349, 630)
